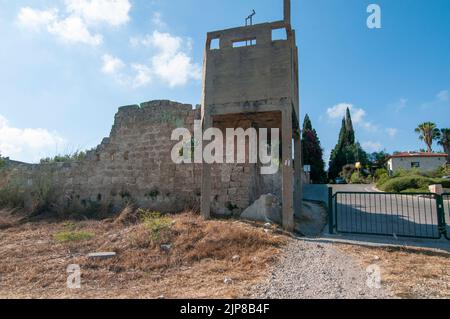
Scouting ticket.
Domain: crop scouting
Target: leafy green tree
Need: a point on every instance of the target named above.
(378, 159)
(428, 132)
(445, 141)
(312, 153)
(2, 161)
(347, 150)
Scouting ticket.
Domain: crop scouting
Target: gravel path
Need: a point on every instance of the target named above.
(316, 271)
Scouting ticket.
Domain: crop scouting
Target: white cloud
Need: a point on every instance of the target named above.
(111, 65)
(142, 76)
(81, 15)
(136, 76)
(399, 105)
(440, 99)
(27, 144)
(158, 21)
(442, 96)
(73, 29)
(372, 146)
(369, 126)
(392, 132)
(170, 61)
(338, 111)
(35, 19)
(112, 12)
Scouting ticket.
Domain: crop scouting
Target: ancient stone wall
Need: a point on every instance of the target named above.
(134, 163)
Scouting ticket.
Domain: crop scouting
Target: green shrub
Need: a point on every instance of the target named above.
(68, 236)
(402, 183)
(380, 172)
(416, 190)
(12, 191)
(356, 178)
(43, 193)
(75, 157)
(444, 182)
(382, 179)
(155, 223)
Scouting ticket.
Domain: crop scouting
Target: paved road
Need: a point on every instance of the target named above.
(390, 214)
(354, 188)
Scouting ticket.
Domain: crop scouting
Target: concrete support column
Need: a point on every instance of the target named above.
(298, 184)
(206, 177)
(287, 11)
(287, 170)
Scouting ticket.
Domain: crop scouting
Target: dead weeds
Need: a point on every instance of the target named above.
(408, 273)
(198, 255)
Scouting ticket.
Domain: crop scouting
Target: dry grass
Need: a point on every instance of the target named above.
(33, 264)
(10, 218)
(408, 273)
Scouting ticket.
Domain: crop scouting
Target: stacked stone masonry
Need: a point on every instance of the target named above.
(134, 163)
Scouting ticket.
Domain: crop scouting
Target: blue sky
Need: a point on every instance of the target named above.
(66, 66)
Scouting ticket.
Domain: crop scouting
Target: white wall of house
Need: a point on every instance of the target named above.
(420, 163)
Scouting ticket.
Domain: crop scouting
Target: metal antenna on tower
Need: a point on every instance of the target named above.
(249, 21)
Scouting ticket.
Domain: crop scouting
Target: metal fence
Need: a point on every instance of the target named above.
(389, 214)
(446, 202)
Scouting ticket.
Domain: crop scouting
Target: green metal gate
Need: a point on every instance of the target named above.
(446, 203)
(417, 215)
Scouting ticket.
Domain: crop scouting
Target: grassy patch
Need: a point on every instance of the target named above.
(72, 236)
(155, 223)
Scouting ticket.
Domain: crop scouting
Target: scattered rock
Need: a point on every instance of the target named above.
(113, 238)
(376, 258)
(166, 248)
(266, 209)
(311, 220)
(228, 281)
(102, 255)
(236, 258)
(161, 297)
(267, 225)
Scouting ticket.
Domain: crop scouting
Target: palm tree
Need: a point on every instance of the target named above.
(445, 141)
(428, 133)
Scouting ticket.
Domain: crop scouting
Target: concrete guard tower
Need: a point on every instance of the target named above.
(252, 75)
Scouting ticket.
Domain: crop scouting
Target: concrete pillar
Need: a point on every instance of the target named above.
(287, 11)
(287, 170)
(206, 177)
(298, 185)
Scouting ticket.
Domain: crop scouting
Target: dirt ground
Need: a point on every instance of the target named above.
(34, 257)
(34, 261)
(407, 272)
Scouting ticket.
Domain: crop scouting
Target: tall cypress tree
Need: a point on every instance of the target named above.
(347, 151)
(312, 153)
(350, 132)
